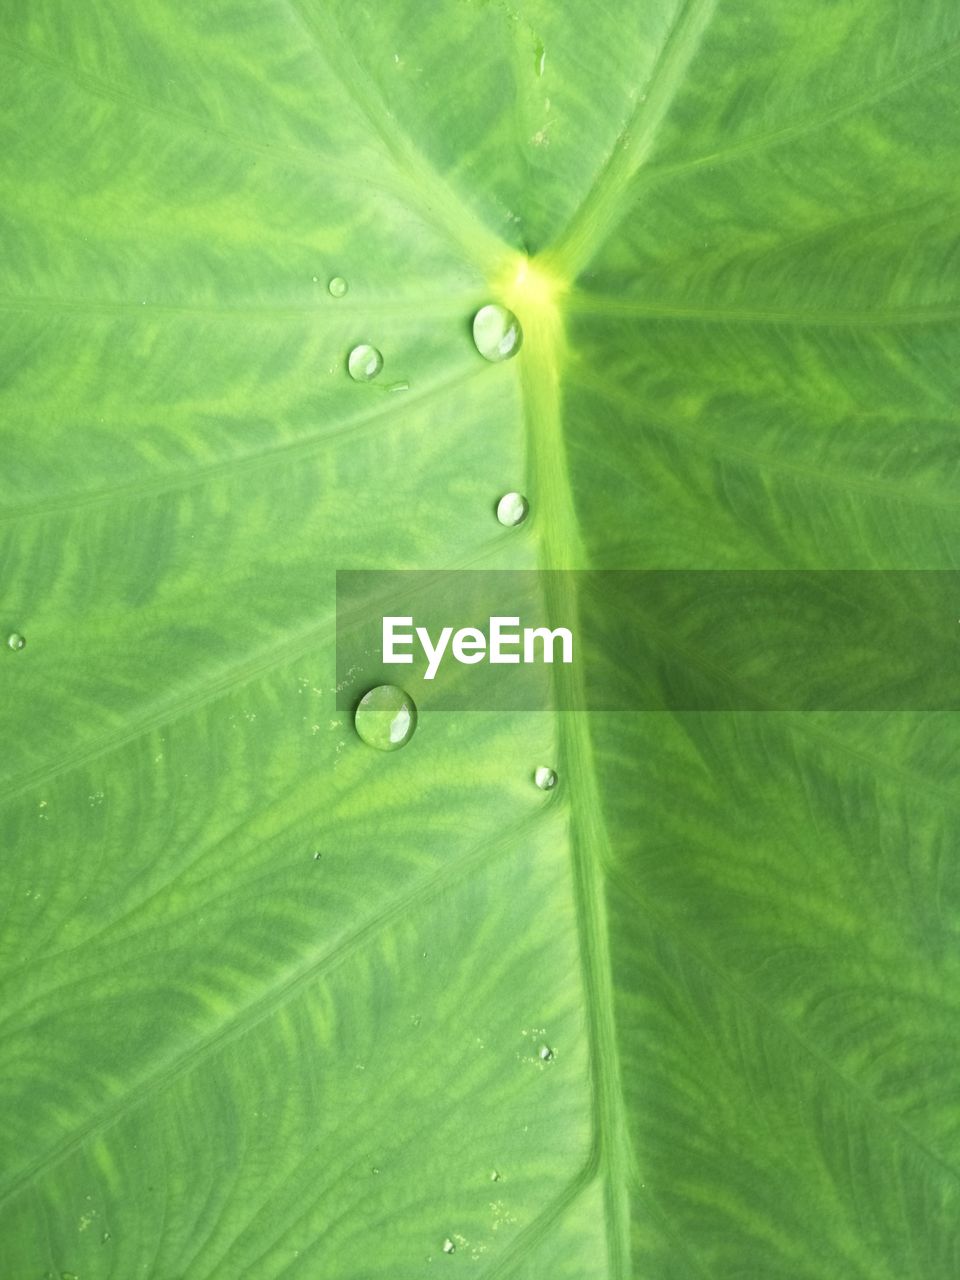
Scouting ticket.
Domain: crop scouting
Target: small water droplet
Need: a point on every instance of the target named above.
(512, 509)
(374, 1170)
(386, 717)
(15, 640)
(105, 1238)
(317, 855)
(449, 1246)
(495, 1175)
(364, 363)
(496, 332)
(545, 1053)
(545, 778)
(69, 1275)
(337, 287)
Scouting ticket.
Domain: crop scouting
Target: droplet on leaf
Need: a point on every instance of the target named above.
(337, 287)
(496, 332)
(512, 509)
(386, 717)
(364, 363)
(545, 778)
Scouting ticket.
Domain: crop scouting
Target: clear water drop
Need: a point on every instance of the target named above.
(496, 332)
(15, 640)
(449, 1246)
(495, 1175)
(337, 287)
(545, 1053)
(364, 363)
(512, 509)
(374, 1170)
(386, 717)
(545, 778)
(317, 855)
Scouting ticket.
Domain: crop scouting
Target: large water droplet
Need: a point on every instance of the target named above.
(496, 332)
(449, 1246)
(15, 640)
(512, 509)
(337, 287)
(545, 1053)
(386, 717)
(364, 363)
(545, 778)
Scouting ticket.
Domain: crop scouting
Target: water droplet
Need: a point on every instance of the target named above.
(449, 1246)
(105, 1238)
(496, 332)
(374, 1170)
(545, 1053)
(545, 778)
(337, 287)
(69, 1275)
(495, 1175)
(386, 717)
(364, 363)
(317, 855)
(15, 640)
(512, 509)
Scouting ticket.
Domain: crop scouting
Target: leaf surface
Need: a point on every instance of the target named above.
(275, 1004)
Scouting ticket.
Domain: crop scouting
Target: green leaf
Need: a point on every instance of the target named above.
(278, 1004)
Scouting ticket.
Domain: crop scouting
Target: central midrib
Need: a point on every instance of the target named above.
(561, 548)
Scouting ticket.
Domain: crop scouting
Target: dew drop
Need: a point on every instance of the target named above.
(317, 855)
(364, 363)
(545, 778)
(495, 1175)
(512, 509)
(545, 1053)
(496, 332)
(337, 287)
(386, 717)
(15, 640)
(374, 1170)
(449, 1246)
